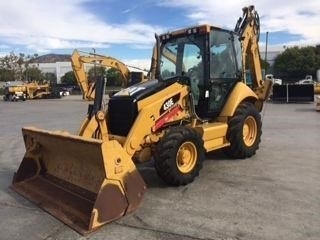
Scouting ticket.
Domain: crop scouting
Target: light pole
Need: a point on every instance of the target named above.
(266, 51)
(94, 66)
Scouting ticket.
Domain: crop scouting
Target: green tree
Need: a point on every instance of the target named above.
(295, 63)
(29, 73)
(96, 73)
(33, 74)
(51, 77)
(114, 77)
(10, 67)
(265, 65)
(69, 78)
(6, 75)
(16, 67)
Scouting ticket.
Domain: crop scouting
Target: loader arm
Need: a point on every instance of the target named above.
(78, 61)
(91, 181)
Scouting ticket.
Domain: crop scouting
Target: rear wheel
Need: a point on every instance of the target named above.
(179, 156)
(244, 132)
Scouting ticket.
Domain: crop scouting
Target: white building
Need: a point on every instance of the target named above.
(58, 68)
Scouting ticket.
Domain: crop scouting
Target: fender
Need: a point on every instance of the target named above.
(238, 94)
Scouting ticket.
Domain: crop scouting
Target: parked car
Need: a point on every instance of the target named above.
(305, 81)
(275, 81)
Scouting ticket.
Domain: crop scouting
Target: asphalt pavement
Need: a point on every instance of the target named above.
(274, 195)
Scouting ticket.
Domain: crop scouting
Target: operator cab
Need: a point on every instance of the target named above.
(209, 58)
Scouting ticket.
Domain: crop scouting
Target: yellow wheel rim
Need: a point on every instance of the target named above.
(186, 157)
(249, 131)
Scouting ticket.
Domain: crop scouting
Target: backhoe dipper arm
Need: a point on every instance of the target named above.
(248, 28)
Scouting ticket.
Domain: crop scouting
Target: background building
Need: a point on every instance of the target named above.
(59, 64)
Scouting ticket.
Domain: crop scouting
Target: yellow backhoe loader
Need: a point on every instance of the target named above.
(198, 102)
(88, 89)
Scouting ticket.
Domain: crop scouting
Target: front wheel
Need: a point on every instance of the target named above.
(179, 156)
(244, 131)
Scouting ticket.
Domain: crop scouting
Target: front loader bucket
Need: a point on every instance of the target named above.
(83, 182)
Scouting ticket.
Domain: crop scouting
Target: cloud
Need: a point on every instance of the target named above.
(291, 16)
(138, 64)
(4, 50)
(47, 24)
(128, 10)
(43, 25)
(4, 46)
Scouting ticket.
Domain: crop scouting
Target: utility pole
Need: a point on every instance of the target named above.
(266, 51)
(94, 66)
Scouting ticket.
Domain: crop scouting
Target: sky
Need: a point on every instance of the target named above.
(125, 29)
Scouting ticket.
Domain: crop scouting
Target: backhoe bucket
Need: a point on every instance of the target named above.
(83, 182)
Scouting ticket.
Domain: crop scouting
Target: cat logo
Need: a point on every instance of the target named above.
(168, 104)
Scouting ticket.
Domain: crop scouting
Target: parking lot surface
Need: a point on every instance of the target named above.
(273, 195)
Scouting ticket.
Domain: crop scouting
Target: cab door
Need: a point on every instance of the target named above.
(225, 64)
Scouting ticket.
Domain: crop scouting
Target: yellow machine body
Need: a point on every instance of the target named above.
(36, 90)
(91, 178)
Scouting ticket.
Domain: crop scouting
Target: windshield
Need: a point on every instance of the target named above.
(225, 55)
(181, 56)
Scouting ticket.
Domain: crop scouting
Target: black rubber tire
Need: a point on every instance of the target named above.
(238, 148)
(167, 152)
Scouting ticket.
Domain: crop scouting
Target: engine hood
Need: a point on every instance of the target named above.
(142, 90)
